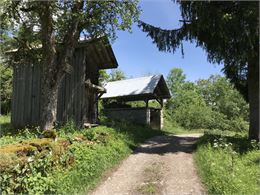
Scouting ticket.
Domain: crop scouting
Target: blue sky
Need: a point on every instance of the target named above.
(138, 56)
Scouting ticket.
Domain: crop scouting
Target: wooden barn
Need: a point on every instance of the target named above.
(137, 89)
(78, 93)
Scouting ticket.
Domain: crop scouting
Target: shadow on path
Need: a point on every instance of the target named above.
(168, 144)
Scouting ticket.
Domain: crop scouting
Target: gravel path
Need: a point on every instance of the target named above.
(163, 165)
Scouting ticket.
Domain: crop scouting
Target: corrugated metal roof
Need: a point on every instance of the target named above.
(137, 88)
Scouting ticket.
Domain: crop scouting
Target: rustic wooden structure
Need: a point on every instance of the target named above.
(144, 89)
(78, 93)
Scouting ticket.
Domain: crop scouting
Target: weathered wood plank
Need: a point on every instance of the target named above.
(14, 98)
(30, 95)
(22, 96)
(25, 97)
(63, 94)
(82, 96)
(18, 89)
(75, 87)
(36, 95)
(33, 104)
(27, 94)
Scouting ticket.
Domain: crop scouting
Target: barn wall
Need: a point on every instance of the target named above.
(26, 95)
(72, 94)
(73, 98)
(75, 101)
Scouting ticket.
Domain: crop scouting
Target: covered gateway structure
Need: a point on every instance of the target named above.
(137, 89)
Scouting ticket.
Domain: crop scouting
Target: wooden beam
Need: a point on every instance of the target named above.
(95, 87)
(159, 100)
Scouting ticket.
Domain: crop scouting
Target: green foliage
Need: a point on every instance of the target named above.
(220, 95)
(48, 32)
(91, 18)
(5, 89)
(228, 164)
(170, 126)
(231, 22)
(30, 170)
(116, 75)
(175, 80)
(103, 77)
(73, 164)
(206, 104)
(227, 32)
(91, 162)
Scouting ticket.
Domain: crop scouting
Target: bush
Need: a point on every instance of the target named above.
(193, 116)
(220, 121)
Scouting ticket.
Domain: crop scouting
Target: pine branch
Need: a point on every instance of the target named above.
(166, 40)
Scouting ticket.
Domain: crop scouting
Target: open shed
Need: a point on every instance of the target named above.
(78, 93)
(137, 89)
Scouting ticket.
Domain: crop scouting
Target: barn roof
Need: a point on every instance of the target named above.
(142, 88)
(100, 52)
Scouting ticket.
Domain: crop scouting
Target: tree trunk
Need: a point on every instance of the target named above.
(49, 104)
(55, 62)
(50, 69)
(253, 93)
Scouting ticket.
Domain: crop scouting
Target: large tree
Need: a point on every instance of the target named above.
(229, 33)
(56, 27)
(175, 80)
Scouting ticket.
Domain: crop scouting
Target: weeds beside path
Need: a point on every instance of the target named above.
(162, 165)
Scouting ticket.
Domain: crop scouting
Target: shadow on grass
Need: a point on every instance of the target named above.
(240, 143)
(7, 129)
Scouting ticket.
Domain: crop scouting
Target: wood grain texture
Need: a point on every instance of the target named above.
(73, 101)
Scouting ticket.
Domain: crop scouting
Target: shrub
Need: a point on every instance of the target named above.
(193, 116)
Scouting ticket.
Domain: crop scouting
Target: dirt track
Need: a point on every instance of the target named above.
(163, 165)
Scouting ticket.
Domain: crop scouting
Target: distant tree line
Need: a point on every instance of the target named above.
(115, 75)
(5, 89)
(211, 103)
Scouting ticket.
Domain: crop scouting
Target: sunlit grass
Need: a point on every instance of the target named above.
(228, 164)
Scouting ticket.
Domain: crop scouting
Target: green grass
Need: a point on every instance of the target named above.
(9, 135)
(93, 161)
(73, 166)
(171, 127)
(228, 163)
(4, 119)
(5, 123)
(149, 188)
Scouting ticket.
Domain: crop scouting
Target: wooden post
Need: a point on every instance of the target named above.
(146, 103)
(161, 102)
